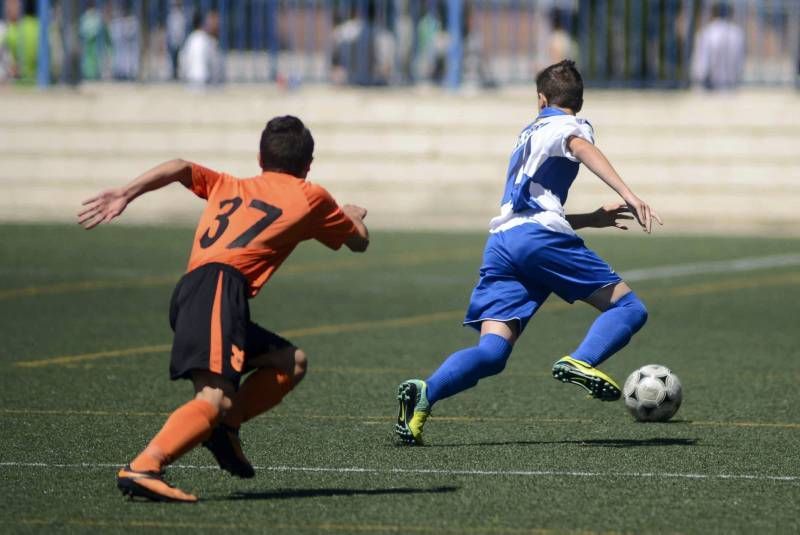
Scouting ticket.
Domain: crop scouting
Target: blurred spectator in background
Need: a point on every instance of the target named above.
(364, 49)
(475, 67)
(404, 41)
(560, 46)
(56, 41)
(5, 55)
(95, 42)
(432, 42)
(176, 35)
(125, 42)
(21, 40)
(201, 58)
(347, 34)
(719, 53)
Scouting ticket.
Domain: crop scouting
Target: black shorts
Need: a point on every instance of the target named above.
(210, 315)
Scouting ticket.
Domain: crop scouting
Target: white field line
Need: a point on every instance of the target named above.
(704, 268)
(432, 471)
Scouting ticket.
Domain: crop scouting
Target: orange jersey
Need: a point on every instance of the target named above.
(253, 224)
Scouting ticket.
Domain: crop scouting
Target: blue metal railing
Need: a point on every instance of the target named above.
(617, 43)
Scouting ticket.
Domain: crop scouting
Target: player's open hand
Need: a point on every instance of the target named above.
(354, 212)
(102, 208)
(644, 214)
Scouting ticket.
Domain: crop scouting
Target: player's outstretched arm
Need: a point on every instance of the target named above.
(591, 157)
(110, 203)
(359, 242)
(608, 215)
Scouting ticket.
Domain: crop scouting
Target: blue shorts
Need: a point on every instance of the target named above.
(522, 266)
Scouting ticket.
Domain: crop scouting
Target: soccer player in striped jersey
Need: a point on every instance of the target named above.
(533, 251)
(249, 227)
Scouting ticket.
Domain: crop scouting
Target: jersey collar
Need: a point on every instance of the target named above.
(550, 111)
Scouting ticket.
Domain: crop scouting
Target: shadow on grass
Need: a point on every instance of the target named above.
(285, 494)
(601, 443)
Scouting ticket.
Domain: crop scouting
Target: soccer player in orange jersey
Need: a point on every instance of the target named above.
(249, 227)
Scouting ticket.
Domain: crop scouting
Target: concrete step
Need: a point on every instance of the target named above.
(440, 206)
(163, 143)
(416, 159)
(100, 171)
(253, 105)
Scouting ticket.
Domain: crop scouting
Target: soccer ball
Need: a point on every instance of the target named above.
(652, 393)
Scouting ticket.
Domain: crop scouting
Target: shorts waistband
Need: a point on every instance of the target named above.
(227, 268)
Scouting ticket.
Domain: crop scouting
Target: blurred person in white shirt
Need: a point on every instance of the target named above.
(719, 52)
(201, 58)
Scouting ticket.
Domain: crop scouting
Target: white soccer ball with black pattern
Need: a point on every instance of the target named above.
(652, 393)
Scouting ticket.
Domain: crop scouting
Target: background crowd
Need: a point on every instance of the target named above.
(656, 43)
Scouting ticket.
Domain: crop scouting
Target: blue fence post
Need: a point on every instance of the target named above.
(688, 48)
(600, 40)
(272, 32)
(222, 8)
(796, 52)
(653, 60)
(635, 66)
(584, 33)
(223, 25)
(670, 48)
(455, 52)
(43, 55)
(152, 19)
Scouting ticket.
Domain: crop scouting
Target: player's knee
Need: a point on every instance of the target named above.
(641, 315)
(494, 363)
(635, 308)
(214, 396)
(495, 351)
(300, 365)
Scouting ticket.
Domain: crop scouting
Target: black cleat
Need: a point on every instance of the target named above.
(225, 446)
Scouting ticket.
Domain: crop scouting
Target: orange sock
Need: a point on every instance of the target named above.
(185, 428)
(261, 391)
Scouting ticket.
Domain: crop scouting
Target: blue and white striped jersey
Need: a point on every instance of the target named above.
(541, 172)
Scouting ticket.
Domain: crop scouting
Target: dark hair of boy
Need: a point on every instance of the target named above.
(562, 85)
(721, 10)
(286, 146)
(197, 20)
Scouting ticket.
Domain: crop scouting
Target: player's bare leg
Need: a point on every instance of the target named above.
(187, 427)
(622, 315)
(505, 329)
(276, 374)
(603, 298)
(291, 361)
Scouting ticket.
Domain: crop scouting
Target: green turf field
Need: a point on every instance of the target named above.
(84, 386)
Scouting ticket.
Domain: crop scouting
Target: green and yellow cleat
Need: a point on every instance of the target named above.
(414, 410)
(597, 383)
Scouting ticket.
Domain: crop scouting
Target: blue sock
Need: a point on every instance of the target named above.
(612, 330)
(464, 368)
